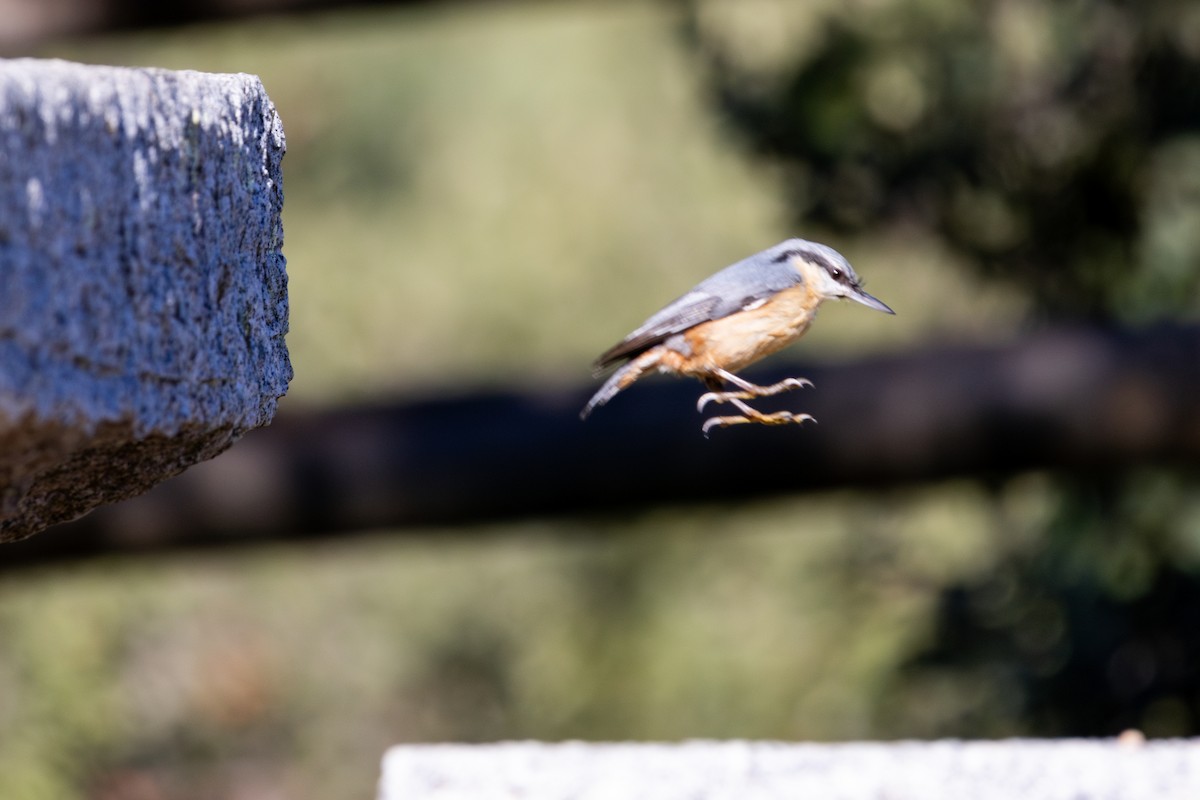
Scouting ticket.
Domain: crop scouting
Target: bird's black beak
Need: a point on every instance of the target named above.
(870, 302)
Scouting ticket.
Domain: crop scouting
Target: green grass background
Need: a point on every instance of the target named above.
(490, 194)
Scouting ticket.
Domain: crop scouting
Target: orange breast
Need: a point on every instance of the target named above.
(740, 339)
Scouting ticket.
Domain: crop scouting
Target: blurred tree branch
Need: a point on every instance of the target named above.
(25, 22)
(1084, 401)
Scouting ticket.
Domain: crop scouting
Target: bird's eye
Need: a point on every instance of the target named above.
(836, 274)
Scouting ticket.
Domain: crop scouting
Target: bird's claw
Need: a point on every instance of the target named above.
(778, 418)
(796, 383)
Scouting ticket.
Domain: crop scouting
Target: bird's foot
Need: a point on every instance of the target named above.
(757, 418)
(749, 391)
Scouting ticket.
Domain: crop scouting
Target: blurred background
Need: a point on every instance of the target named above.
(481, 197)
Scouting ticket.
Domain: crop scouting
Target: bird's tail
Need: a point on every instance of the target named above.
(621, 379)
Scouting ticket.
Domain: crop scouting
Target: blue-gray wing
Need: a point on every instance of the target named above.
(727, 292)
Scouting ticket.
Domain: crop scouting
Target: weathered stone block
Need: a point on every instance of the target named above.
(1074, 769)
(143, 291)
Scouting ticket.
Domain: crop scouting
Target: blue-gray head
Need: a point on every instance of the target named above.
(825, 270)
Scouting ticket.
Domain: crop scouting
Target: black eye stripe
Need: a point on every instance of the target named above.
(837, 273)
(809, 256)
(823, 263)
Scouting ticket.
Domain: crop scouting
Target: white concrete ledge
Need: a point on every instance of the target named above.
(143, 291)
(1003, 770)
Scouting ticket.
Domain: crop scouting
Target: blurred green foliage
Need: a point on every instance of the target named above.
(1057, 145)
(476, 193)
(491, 194)
(289, 670)
(1055, 148)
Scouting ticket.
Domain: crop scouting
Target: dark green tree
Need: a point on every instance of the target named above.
(1056, 148)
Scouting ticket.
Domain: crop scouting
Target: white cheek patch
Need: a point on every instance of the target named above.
(810, 273)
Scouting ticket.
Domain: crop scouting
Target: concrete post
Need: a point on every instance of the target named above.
(143, 291)
(1127, 768)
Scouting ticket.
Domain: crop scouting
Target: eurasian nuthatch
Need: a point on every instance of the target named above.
(732, 319)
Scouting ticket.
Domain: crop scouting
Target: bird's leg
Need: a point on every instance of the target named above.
(753, 416)
(748, 390)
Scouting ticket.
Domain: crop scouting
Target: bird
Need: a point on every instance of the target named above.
(731, 319)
